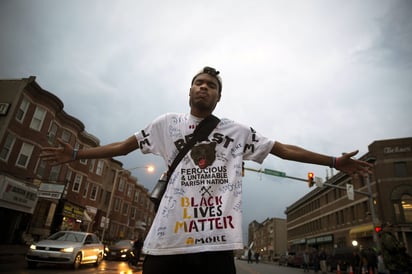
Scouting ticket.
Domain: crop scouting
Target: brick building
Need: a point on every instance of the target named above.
(326, 218)
(37, 199)
(268, 237)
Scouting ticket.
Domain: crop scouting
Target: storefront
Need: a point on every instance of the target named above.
(17, 202)
(325, 241)
(73, 217)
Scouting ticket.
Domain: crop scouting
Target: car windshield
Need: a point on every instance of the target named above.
(67, 236)
(123, 243)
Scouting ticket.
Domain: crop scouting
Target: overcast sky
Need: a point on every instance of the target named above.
(330, 76)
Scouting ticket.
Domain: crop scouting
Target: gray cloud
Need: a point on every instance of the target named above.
(330, 76)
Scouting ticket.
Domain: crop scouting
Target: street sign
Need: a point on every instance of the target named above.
(350, 192)
(319, 181)
(274, 172)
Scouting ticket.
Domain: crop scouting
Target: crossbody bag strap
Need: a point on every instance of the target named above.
(201, 133)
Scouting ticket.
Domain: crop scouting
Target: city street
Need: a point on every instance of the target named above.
(16, 264)
(242, 267)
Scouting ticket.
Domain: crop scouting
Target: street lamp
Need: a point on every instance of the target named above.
(149, 168)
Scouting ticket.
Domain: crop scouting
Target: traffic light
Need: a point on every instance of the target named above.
(311, 177)
(378, 229)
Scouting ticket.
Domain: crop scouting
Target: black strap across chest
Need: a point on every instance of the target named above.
(202, 131)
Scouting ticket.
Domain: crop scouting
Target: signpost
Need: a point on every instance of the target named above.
(274, 172)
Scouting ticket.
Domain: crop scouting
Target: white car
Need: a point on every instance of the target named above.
(66, 247)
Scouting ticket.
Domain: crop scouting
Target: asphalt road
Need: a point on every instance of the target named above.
(12, 261)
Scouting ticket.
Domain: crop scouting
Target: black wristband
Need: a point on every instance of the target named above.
(75, 151)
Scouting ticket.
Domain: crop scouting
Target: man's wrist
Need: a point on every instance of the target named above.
(334, 162)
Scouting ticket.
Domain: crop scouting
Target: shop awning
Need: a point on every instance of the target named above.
(361, 228)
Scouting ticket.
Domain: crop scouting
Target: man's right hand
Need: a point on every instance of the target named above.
(58, 155)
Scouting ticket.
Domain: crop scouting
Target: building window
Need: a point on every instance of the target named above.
(24, 155)
(121, 184)
(54, 173)
(41, 168)
(66, 136)
(132, 212)
(38, 118)
(77, 183)
(403, 209)
(362, 181)
(91, 165)
(400, 169)
(21, 112)
(99, 168)
(93, 192)
(407, 207)
(129, 191)
(365, 209)
(7, 147)
(125, 208)
(352, 213)
(136, 196)
(117, 204)
(51, 135)
(68, 175)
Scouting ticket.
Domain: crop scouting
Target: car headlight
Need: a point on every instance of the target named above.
(123, 250)
(106, 249)
(33, 247)
(67, 249)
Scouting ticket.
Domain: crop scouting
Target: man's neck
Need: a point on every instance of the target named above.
(200, 114)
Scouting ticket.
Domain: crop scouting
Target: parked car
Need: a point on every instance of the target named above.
(295, 260)
(284, 258)
(66, 247)
(120, 250)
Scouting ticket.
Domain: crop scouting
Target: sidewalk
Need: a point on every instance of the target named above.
(11, 252)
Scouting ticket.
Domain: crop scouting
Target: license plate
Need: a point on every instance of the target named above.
(44, 255)
(113, 253)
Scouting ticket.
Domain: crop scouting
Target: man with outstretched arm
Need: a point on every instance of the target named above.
(198, 223)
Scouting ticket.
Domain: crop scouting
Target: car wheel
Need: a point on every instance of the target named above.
(77, 261)
(31, 265)
(99, 259)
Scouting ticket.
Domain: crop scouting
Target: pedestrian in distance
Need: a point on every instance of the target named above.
(137, 250)
(249, 256)
(322, 261)
(306, 261)
(355, 262)
(257, 257)
(199, 219)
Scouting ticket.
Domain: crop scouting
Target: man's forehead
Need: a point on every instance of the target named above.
(208, 77)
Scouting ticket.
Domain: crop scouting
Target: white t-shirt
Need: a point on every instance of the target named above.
(201, 209)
